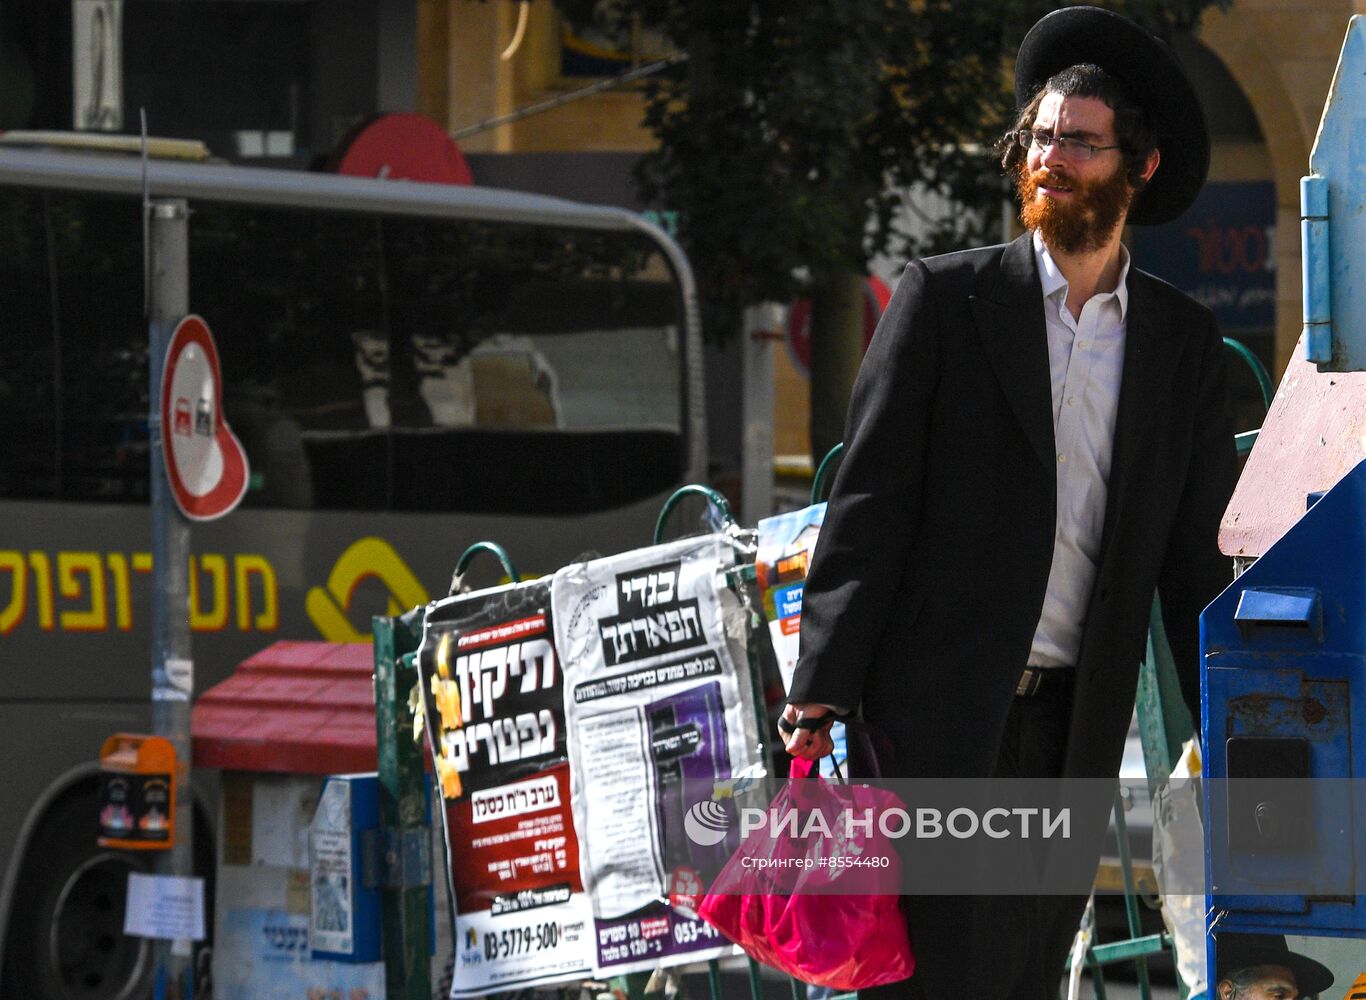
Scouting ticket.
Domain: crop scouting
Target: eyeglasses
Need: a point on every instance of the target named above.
(1073, 149)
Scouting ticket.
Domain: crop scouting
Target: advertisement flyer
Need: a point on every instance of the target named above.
(786, 542)
(494, 700)
(662, 728)
(785, 545)
(330, 867)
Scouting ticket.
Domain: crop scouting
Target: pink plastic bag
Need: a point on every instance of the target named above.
(824, 924)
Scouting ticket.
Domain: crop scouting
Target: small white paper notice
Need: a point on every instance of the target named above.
(165, 906)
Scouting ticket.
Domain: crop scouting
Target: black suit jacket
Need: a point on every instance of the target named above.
(929, 574)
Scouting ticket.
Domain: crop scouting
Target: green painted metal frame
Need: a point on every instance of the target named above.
(823, 471)
(714, 497)
(407, 942)
(1245, 440)
(494, 549)
(1258, 369)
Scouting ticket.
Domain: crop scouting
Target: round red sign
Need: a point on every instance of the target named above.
(405, 146)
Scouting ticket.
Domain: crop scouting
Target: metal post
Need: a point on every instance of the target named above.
(1130, 893)
(714, 979)
(763, 324)
(404, 816)
(172, 670)
(756, 986)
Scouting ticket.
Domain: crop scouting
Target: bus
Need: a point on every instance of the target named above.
(410, 368)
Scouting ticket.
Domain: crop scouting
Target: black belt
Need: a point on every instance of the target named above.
(1040, 680)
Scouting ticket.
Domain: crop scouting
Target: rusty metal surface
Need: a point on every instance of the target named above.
(1314, 434)
(1319, 713)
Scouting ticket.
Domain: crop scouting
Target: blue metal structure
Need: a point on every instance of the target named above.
(1283, 682)
(1284, 707)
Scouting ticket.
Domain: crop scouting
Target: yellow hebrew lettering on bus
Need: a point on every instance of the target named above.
(94, 617)
(16, 566)
(268, 618)
(42, 580)
(216, 617)
(95, 602)
(123, 591)
(368, 558)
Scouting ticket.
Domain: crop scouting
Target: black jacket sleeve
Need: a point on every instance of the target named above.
(874, 503)
(1193, 570)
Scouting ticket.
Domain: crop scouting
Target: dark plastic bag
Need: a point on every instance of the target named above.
(826, 924)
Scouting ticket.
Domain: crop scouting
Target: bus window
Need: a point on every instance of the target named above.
(102, 339)
(28, 396)
(442, 365)
(75, 367)
(369, 363)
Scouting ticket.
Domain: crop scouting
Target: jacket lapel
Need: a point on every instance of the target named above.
(1009, 317)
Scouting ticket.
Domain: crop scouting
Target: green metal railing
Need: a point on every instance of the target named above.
(403, 807)
(712, 496)
(1258, 369)
(823, 471)
(466, 557)
(1247, 439)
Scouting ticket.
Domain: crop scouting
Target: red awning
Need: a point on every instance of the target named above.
(295, 708)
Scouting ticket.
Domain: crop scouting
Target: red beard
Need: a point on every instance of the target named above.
(1080, 224)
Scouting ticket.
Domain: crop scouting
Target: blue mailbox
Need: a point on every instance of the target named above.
(1284, 706)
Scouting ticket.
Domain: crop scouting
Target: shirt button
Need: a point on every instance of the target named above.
(1061, 457)
(1081, 344)
(1071, 400)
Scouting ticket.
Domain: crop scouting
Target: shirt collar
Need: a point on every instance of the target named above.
(1053, 280)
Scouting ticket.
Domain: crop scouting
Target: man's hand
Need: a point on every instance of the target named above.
(808, 744)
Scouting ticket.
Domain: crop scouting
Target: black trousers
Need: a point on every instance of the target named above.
(1001, 947)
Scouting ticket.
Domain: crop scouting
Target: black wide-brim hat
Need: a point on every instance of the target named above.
(1155, 79)
(1244, 951)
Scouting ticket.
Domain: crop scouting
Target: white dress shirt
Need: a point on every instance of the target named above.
(1086, 362)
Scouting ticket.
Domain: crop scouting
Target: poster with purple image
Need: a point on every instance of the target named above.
(659, 709)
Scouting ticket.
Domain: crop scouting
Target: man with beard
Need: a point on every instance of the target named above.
(1039, 439)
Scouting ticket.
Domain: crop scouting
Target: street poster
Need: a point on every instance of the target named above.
(785, 545)
(661, 727)
(494, 707)
(786, 542)
(331, 864)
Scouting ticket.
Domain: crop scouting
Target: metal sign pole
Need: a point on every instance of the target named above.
(172, 671)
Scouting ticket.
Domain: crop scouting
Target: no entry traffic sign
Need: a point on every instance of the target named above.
(205, 463)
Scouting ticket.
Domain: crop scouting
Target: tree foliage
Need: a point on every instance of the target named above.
(789, 137)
